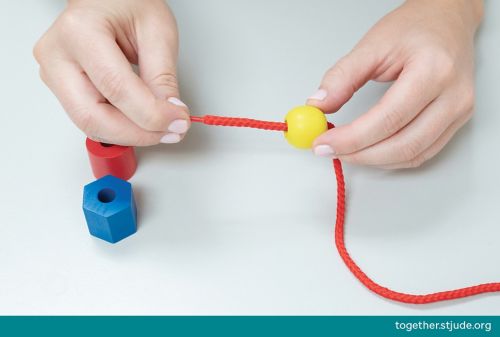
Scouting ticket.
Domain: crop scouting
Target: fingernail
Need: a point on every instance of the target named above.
(319, 95)
(176, 101)
(171, 138)
(324, 151)
(178, 126)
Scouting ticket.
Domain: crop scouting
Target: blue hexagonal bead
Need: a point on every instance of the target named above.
(109, 208)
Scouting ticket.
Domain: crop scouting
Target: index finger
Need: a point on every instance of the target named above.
(111, 73)
(402, 102)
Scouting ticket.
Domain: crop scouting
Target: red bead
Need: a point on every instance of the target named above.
(116, 160)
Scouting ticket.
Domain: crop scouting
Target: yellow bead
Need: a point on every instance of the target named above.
(305, 123)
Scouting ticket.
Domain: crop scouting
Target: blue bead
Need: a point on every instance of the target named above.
(109, 208)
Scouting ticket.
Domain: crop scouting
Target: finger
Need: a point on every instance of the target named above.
(342, 80)
(413, 90)
(434, 149)
(89, 110)
(157, 47)
(410, 141)
(157, 64)
(112, 75)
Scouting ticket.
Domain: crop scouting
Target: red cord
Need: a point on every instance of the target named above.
(339, 228)
(377, 288)
(240, 122)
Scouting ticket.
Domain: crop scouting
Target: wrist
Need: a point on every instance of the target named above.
(472, 9)
(471, 12)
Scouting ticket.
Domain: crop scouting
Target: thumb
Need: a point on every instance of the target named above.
(342, 80)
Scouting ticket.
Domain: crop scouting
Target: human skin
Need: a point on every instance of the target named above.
(427, 48)
(85, 59)
(424, 46)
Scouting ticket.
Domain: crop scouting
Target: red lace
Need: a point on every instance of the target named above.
(339, 227)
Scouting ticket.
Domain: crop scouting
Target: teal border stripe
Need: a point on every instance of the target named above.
(331, 326)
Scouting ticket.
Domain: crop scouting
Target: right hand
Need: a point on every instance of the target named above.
(86, 59)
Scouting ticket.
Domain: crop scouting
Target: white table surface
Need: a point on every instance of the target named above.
(236, 221)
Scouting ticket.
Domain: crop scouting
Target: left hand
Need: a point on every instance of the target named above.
(426, 46)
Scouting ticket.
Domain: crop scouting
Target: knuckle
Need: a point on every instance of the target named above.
(392, 121)
(66, 27)
(444, 66)
(111, 84)
(166, 79)
(411, 150)
(41, 49)
(339, 69)
(38, 51)
(438, 63)
(84, 120)
(69, 23)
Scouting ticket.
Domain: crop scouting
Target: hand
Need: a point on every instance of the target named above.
(86, 59)
(426, 46)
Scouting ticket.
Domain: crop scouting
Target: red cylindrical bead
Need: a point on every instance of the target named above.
(116, 160)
